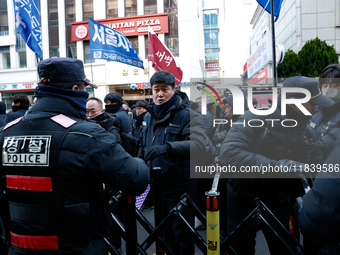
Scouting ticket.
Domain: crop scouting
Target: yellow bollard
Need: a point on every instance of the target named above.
(213, 222)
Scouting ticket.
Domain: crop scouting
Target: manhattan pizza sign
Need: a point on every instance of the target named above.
(128, 26)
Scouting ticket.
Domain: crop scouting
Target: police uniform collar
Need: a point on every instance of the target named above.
(55, 105)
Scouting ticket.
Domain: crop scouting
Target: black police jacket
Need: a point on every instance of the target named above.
(55, 165)
(245, 145)
(319, 219)
(182, 129)
(322, 131)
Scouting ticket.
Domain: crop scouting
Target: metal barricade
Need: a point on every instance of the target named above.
(261, 216)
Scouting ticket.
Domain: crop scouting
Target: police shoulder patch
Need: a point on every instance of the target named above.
(12, 123)
(63, 120)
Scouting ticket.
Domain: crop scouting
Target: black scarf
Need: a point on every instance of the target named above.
(161, 109)
(76, 98)
(112, 108)
(139, 119)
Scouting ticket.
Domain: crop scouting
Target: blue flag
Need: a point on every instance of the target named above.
(107, 43)
(277, 6)
(27, 23)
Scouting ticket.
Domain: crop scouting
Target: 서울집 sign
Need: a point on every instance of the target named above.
(128, 26)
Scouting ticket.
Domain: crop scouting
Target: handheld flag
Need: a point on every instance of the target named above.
(27, 23)
(107, 43)
(162, 58)
(277, 6)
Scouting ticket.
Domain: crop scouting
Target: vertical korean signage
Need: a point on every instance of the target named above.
(261, 49)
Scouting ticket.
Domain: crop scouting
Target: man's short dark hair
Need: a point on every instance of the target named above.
(113, 98)
(62, 85)
(22, 99)
(100, 103)
(163, 76)
(141, 103)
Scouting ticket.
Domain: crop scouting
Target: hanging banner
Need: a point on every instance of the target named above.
(109, 44)
(27, 23)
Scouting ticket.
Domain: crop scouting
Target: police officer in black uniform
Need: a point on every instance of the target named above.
(271, 145)
(54, 163)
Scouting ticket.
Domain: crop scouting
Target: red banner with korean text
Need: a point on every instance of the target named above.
(162, 58)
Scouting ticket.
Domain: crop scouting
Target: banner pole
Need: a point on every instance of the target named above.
(149, 78)
(273, 42)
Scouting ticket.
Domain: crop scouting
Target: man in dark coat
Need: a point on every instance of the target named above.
(20, 104)
(270, 145)
(54, 192)
(113, 105)
(140, 113)
(208, 120)
(170, 133)
(321, 134)
(319, 218)
(95, 112)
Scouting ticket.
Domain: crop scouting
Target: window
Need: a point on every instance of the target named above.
(212, 54)
(111, 8)
(211, 38)
(3, 18)
(22, 59)
(6, 60)
(53, 28)
(150, 6)
(210, 18)
(130, 8)
(171, 38)
(87, 9)
(134, 42)
(146, 43)
(70, 16)
(20, 43)
(87, 54)
(21, 49)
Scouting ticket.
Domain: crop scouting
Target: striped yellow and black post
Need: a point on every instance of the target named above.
(213, 219)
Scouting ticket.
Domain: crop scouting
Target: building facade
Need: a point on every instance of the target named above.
(299, 22)
(59, 20)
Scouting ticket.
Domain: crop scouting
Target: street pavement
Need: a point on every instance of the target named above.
(261, 247)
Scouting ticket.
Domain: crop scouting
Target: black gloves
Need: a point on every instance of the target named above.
(156, 151)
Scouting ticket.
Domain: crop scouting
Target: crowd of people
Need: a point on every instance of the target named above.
(64, 156)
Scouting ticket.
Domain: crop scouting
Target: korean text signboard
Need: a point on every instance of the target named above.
(128, 26)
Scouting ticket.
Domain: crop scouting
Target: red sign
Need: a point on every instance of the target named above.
(128, 26)
(212, 66)
(261, 77)
(162, 59)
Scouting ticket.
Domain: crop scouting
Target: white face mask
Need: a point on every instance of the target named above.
(331, 93)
